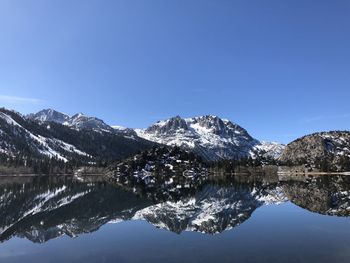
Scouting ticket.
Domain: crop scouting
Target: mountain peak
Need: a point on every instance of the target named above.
(78, 115)
(208, 135)
(77, 121)
(48, 115)
(168, 126)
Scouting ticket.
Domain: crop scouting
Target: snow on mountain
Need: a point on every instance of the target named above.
(12, 135)
(81, 121)
(270, 149)
(77, 121)
(209, 136)
(47, 115)
(119, 128)
(126, 132)
(29, 138)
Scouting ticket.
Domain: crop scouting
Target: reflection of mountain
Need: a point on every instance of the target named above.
(329, 195)
(40, 209)
(45, 209)
(212, 210)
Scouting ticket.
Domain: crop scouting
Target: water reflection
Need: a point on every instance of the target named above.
(43, 208)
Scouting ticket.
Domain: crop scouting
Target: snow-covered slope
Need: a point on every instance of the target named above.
(25, 138)
(270, 149)
(77, 121)
(209, 136)
(15, 139)
(80, 121)
(49, 115)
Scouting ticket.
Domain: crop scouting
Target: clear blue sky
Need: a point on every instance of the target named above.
(279, 68)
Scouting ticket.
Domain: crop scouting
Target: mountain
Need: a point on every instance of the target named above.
(323, 150)
(21, 136)
(78, 121)
(53, 134)
(270, 150)
(209, 136)
(49, 115)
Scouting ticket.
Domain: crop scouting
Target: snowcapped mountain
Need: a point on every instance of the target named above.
(49, 115)
(77, 121)
(16, 139)
(80, 121)
(20, 136)
(209, 136)
(271, 150)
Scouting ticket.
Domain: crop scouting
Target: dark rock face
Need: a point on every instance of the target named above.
(168, 127)
(317, 148)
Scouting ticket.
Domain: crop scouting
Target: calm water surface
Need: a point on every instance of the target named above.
(63, 219)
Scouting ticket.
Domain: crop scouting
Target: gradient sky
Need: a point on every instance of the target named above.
(279, 68)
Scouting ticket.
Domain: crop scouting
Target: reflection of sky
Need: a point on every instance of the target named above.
(274, 233)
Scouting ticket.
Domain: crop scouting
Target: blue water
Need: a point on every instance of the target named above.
(277, 232)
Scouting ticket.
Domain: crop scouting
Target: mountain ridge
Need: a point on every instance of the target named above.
(57, 135)
(209, 136)
(20, 136)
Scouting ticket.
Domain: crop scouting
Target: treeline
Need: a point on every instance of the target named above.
(231, 165)
(42, 165)
(341, 163)
(159, 157)
(326, 164)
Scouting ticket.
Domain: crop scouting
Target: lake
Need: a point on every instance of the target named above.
(237, 218)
